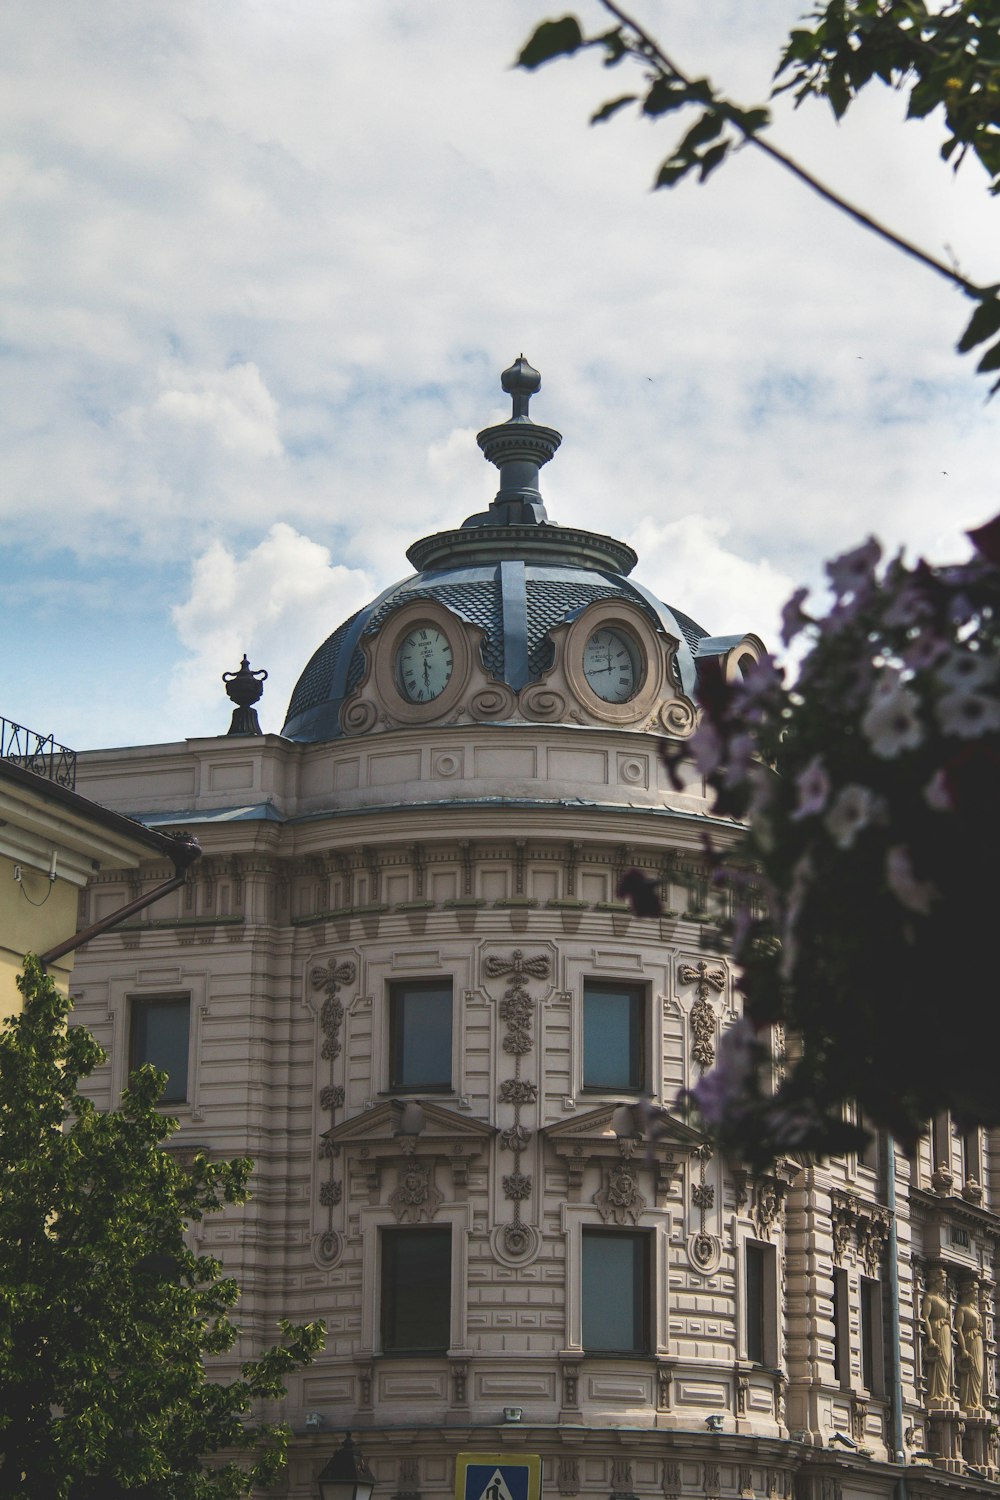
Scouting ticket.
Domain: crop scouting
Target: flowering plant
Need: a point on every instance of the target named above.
(862, 891)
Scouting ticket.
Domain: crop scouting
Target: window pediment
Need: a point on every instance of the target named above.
(591, 1137)
(377, 1136)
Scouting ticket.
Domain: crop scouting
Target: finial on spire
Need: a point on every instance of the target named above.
(518, 447)
(521, 382)
(245, 688)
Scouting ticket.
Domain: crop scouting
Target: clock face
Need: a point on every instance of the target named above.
(611, 665)
(423, 664)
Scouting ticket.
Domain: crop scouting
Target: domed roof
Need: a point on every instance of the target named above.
(509, 570)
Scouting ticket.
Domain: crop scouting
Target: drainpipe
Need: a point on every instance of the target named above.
(184, 856)
(899, 1450)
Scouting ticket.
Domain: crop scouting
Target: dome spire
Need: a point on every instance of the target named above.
(518, 447)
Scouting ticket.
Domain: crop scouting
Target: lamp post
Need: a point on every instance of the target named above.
(346, 1476)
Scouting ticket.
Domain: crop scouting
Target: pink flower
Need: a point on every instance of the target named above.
(854, 572)
(720, 1093)
(794, 617)
(914, 894)
(813, 786)
(705, 746)
(854, 808)
(968, 715)
(924, 651)
(937, 793)
(892, 723)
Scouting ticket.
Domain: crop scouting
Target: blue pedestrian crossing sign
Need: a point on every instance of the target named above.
(498, 1476)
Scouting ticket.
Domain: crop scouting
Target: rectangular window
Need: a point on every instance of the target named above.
(841, 1329)
(755, 1270)
(615, 1287)
(612, 1035)
(416, 1291)
(871, 1335)
(868, 1154)
(760, 1305)
(161, 1028)
(420, 1018)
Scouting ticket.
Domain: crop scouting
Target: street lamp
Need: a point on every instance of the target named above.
(346, 1476)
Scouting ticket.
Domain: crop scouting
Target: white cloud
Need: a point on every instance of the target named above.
(686, 563)
(265, 263)
(276, 603)
(233, 405)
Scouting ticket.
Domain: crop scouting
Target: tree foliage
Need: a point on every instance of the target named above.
(106, 1313)
(947, 57)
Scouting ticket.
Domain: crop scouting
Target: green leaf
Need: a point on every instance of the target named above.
(985, 322)
(990, 360)
(612, 107)
(551, 39)
(663, 96)
(751, 120)
(702, 131)
(672, 171)
(924, 97)
(713, 159)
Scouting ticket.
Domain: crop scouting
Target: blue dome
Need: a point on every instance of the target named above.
(508, 570)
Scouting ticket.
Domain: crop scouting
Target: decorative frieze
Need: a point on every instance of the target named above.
(516, 1010)
(702, 1014)
(330, 978)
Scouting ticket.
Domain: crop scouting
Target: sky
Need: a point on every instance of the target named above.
(263, 261)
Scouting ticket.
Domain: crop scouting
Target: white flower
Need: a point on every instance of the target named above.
(966, 669)
(892, 722)
(968, 714)
(915, 894)
(813, 786)
(854, 807)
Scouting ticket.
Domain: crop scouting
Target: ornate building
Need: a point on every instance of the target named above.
(401, 979)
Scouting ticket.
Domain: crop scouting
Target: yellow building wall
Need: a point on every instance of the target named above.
(27, 928)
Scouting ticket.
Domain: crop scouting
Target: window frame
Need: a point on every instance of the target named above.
(840, 1299)
(643, 1333)
(391, 1237)
(398, 989)
(760, 1263)
(871, 1324)
(140, 1006)
(638, 992)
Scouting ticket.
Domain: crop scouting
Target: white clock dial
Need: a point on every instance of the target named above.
(423, 664)
(611, 665)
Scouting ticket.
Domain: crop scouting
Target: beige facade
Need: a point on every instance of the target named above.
(405, 985)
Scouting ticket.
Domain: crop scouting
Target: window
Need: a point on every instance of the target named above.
(868, 1154)
(760, 1306)
(612, 1035)
(420, 1012)
(615, 1284)
(871, 1335)
(841, 1329)
(416, 1291)
(161, 1027)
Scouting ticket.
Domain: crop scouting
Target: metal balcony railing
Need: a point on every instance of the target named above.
(37, 752)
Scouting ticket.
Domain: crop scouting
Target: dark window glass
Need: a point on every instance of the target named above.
(841, 1329)
(416, 1291)
(612, 1035)
(756, 1273)
(871, 1335)
(160, 1030)
(420, 1031)
(615, 1291)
